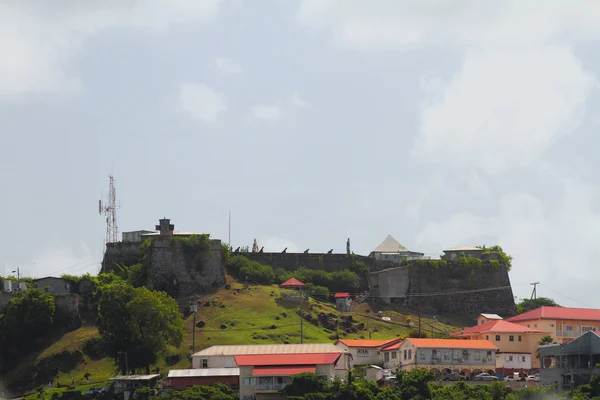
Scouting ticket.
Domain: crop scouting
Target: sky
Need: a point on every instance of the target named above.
(311, 121)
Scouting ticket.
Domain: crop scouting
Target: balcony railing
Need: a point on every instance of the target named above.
(272, 387)
(463, 361)
(565, 333)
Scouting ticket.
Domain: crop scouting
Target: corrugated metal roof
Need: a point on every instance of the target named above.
(292, 282)
(341, 295)
(390, 245)
(233, 350)
(282, 371)
(452, 344)
(367, 343)
(394, 346)
(491, 316)
(135, 377)
(286, 359)
(199, 372)
(496, 326)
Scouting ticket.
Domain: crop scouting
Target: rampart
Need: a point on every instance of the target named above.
(322, 261)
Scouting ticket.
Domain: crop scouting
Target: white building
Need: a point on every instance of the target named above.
(365, 352)
(391, 250)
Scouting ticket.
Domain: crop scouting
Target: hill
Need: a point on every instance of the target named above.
(232, 315)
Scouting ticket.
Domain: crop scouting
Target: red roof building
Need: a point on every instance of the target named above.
(365, 352)
(292, 283)
(341, 295)
(562, 323)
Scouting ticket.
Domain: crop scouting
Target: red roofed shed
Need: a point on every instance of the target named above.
(292, 283)
(341, 295)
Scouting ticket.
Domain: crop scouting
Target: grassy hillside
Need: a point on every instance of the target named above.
(230, 316)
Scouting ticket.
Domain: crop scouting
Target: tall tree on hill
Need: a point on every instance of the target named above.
(531, 304)
(140, 323)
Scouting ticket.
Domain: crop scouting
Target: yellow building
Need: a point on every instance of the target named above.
(442, 356)
(517, 344)
(562, 323)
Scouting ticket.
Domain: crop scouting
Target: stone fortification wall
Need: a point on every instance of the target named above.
(121, 253)
(322, 261)
(445, 289)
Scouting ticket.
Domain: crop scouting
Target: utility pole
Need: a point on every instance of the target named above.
(18, 272)
(194, 309)
(534, 291)
(301, 321)
(126, 361)
(229, 242)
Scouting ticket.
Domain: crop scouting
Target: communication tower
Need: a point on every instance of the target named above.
(109, 209)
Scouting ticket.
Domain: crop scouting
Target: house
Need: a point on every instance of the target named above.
(391, 250)
(517, 344)
(266, 368)
(365, 352)
(570, 364)
(483, 318)
(343, 302)
(391, 359)
(562, 323)
(183, 378)
(462, 251)
(442, 356)
(55, 285)
(135, 236)
(128, 384)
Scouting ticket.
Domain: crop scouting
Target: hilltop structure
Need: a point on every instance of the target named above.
(391, 250)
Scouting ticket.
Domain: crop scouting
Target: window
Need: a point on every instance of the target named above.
(477, 355)
(497, 338)
(511, 338)
(250, 381)
(487, 337)
(519, 337)
(535, 325)
(551, 325)
(568, 328)
(378, 353)
(422, 354)
(362, 352)
(410, 354)
(529, 326)
(586, 329)
(405, 354)
(509, 358)
(386, 356)
(522, 358)
(489, 355)
(433, 353)
(446, 355)
(394, 355)
(204, 362)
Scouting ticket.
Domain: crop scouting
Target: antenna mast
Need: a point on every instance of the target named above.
(109, 209)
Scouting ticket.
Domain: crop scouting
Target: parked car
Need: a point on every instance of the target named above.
(520, 376)
(485, 377)
(454, 376)
(509, 378)
(533, 378)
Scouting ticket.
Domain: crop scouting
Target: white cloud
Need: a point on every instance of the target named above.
(227, 67)
(268, 113)
(298, 102)
(38, 39)
(391, 24)
(551, 242)
(201, 102)
(503, 108)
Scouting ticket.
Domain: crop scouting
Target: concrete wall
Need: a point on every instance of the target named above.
(55, 285)
(393, 359)
(214, 361)
(518, 362)
(461, 294)
(363, 355)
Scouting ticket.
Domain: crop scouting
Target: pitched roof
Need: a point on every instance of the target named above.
(341, 295)
(286, 359)
(282, 371)
(233, 350)
(367, 343)
(464, 248)
(496, 326)
(389, 245)
(452, 343)
(292, 282)
(490, 316)
(394, 346)
(554, 313)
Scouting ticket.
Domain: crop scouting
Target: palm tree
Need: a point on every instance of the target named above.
(543, 341)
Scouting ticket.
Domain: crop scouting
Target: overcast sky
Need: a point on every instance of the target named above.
(313, 121)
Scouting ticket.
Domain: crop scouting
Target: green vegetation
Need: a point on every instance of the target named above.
(504, 258)
(140, 322)
(531, 304)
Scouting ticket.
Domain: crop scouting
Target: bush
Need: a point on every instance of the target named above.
(242, 267)
(320, 292)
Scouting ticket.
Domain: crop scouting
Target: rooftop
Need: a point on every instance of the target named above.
(554, 313)
(366, 343)
(390, 245)
(490, 316)
(341, 295)
(496, 326)
(199, 372)
(310, 348)
(286, 359)
(452, 344)
(135, 377)
(464, 248)
(394, 346)
(174, 234)
(292, 282)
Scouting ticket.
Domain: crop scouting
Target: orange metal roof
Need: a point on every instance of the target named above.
(366, 343)
(557, 313)
(394, 346)
(452, 343)
(496, 326)
(341, 295)
(292, 282)
(286, 359)
(283, 370)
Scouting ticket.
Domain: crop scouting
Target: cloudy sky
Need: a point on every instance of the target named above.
(312, 121)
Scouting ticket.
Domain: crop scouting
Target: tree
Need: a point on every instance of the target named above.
(543, 341)
(139, 322)
(531, 304)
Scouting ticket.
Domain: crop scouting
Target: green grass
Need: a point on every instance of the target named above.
(250, 316)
